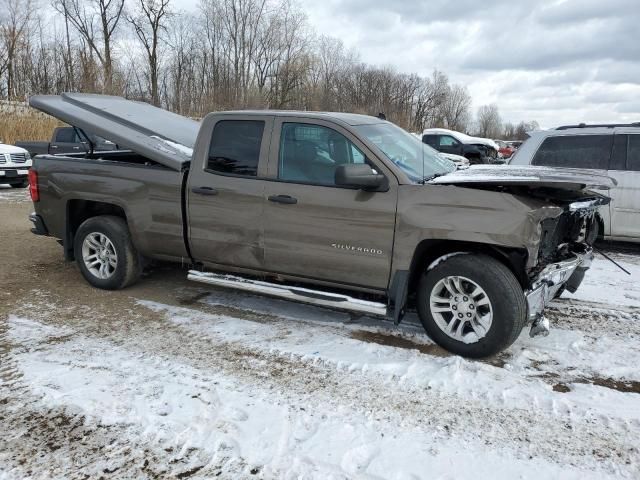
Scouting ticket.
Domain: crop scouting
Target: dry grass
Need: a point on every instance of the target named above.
(27, 127)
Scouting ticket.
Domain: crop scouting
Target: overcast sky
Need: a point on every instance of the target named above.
(554, 61)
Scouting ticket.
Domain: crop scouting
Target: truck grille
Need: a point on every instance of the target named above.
(18, 157)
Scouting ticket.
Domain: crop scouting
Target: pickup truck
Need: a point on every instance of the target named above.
(68, 140)
(334, 209)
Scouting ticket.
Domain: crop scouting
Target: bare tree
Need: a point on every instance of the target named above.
(96, 21)
(148, 24)
(489, 123)
(456, 108)
(15, 17)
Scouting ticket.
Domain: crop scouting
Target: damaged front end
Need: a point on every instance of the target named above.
(564, 255)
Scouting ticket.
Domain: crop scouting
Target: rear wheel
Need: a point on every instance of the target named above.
(105, 254)
(471, 305)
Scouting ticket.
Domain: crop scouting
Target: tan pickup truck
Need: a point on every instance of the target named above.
(340, 210)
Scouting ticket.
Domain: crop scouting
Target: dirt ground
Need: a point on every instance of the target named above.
(48, 432)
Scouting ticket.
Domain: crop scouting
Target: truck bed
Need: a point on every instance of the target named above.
(149, 195)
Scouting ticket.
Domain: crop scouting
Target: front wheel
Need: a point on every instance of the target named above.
(471, 305)
(105, 253)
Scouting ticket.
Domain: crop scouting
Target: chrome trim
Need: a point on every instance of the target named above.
(551, 279)
(298, 294)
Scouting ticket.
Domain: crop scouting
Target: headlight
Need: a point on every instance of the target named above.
(28, 156)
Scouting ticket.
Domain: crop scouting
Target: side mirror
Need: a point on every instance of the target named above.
(360, 175)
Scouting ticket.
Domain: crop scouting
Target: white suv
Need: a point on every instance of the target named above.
(14, 166)
(614, 148)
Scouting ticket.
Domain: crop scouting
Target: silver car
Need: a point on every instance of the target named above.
(612, 148)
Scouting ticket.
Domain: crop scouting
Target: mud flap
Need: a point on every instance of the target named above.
(397, 301)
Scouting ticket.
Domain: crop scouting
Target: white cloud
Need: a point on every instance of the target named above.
(554, 61)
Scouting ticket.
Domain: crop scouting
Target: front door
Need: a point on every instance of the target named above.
(226, 191)
(315, 229)
(625, 197)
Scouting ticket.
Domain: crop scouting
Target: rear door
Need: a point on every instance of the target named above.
(315, 229)
(625, 168)
(226, 191)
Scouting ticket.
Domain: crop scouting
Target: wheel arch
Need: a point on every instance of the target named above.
(80, 210)
(428, 251)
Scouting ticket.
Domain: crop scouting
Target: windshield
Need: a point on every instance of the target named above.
(418, 160)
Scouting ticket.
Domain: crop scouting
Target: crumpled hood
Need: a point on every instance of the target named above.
(564, 178)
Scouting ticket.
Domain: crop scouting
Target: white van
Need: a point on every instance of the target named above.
(614, 148)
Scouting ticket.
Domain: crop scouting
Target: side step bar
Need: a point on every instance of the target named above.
(298, 294)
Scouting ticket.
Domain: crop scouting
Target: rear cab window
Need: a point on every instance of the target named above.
(575, 151)
(235, 147)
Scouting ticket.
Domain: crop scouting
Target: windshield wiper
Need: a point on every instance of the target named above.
(431, 177)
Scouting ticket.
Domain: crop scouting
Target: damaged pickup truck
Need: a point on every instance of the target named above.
(334, 209)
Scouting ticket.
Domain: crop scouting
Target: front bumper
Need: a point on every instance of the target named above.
(568, 273)
(13, 173)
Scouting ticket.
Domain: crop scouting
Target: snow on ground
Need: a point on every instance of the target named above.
(13, 195)
(231, 385)
(611, 286)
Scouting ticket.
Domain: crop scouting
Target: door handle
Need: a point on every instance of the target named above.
(204, 191)
(54, 146)
(287, 199)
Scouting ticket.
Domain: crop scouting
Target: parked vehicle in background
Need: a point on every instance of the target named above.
(515, 144)
(67, 140)
(341, 202)
(505, 149)
(14, 165)
(613, 148)
(476, 150)
(459, 160)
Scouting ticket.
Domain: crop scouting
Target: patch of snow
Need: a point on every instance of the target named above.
(176, 146)
(605, 283)
(170, 404)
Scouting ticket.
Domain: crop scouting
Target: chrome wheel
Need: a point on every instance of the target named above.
(99, 255)
(461, 309)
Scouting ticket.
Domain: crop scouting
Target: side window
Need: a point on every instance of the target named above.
(66, 135)
(619, 154)
(579, 151)
(310, 153)
(431, 140)
(235, 147)
(448, 141)
(633, 153)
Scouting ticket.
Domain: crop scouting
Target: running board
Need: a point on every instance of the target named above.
(298, 294)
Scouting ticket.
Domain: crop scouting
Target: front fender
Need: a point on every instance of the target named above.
(432, 212)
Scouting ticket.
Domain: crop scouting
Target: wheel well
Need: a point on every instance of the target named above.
(80, 210)
(428, 251)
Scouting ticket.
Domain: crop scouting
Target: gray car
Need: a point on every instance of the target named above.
(335, 209)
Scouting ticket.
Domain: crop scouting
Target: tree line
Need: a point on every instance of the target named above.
(227, 54)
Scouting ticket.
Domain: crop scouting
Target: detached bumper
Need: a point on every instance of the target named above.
(568, 273)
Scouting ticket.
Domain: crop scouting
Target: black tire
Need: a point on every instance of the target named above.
(501, 287)
(22, 184)
(128, 266)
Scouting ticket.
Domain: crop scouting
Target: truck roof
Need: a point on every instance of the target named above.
(348, 118)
